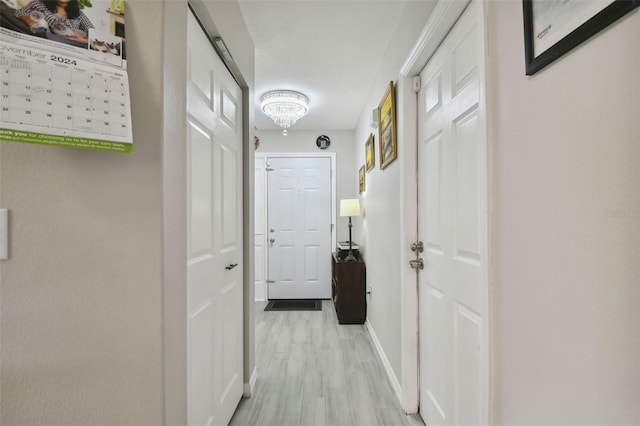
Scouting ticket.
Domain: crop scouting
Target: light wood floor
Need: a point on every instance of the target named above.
(314, 372)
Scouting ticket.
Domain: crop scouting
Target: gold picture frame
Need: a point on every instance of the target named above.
(361, 180)
(387, 141)
(370, 153)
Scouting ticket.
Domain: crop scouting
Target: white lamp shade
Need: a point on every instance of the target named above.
(350, 207)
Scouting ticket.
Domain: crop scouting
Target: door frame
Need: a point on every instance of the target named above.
(260, 189)
(332, 157)
(174, 201)
(440, 22)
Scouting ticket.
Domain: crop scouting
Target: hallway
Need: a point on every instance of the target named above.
(313, 371)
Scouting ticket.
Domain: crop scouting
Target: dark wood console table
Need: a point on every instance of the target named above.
(348, 289)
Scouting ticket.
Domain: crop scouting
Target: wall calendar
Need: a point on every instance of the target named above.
(64, 90)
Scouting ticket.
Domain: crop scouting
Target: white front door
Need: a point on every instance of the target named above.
(452, 224)
(214, 242)
(299, 218)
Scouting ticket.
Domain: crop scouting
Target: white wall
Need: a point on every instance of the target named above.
(380, 226)
(98, 15)
(81, 296)
(565, 223)
(566, 228)
(305, 141)
(93, 317)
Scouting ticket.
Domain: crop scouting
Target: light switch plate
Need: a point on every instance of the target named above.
(4, 234)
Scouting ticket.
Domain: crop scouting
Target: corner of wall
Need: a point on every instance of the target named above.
(174, 211)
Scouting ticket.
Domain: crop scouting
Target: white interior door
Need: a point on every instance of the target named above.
(299, 238)
(214, 222)
(453, 226)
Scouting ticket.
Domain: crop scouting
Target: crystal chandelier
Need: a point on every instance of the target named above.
(285, 107)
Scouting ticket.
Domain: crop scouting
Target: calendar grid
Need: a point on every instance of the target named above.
(45, 96)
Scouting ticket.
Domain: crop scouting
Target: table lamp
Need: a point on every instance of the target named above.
(350, 207)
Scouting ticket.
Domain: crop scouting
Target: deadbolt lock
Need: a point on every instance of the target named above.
(417, 264)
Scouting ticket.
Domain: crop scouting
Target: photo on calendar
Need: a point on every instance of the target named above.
(94, 29)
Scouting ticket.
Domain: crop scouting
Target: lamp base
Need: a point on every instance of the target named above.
(350, 257)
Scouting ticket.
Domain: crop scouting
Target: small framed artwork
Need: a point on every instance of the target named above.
(552, 28)
(369, 153)
(387, 128)
(361, 180)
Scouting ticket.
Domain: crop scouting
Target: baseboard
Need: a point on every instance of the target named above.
(249, 387)
(395, 384)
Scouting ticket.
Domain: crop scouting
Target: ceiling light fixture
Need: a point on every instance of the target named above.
(285, 107)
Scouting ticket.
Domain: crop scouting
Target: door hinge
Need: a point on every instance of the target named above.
(416, 84)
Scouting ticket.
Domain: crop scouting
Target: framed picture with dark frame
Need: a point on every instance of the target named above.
(552, 28)
(370, 153)
(387, 128)
(362, 186)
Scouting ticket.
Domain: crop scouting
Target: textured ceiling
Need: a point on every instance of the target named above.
(328, 50)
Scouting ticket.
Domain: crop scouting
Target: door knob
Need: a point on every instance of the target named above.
(272, 240)
(272, 230)
(417, 264)
(230, 267)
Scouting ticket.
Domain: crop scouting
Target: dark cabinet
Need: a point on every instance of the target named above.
(348, 289)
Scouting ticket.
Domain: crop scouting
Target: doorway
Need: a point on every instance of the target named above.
(294, 225)
(214, 261)
(453, 226)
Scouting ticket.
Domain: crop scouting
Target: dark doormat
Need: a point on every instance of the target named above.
(294, 305)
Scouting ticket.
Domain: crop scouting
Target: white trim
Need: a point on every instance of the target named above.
(441, 20)
(487, 353)
(407, 132)
(385, 361)
(249, 388)
(260, 296)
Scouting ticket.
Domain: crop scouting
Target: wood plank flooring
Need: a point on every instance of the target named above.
(313, 371)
